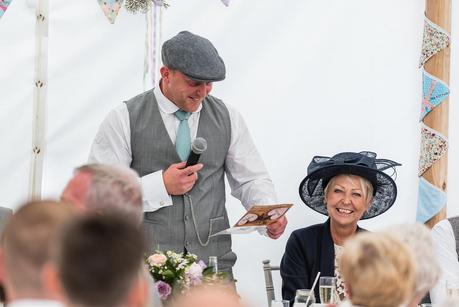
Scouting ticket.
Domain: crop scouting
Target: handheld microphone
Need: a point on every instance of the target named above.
(197, 148)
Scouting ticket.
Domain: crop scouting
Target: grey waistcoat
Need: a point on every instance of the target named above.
(455, 224)
(172, 227)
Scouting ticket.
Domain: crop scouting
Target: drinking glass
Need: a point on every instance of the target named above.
(327, 289)
(213, 263)
(302, 296)
(280, 303)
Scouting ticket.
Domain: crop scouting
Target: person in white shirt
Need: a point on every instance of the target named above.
(152, 134)
(445, 251)
(26, 251)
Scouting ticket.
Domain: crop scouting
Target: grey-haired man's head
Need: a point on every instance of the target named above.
(105, 188)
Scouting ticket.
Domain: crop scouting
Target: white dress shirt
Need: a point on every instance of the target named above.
(245, 170)
(445, 251)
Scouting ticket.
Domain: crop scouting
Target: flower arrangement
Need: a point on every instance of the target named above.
(177, 273)
(142, 6)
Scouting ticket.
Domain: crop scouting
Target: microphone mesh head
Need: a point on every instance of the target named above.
(199, 146)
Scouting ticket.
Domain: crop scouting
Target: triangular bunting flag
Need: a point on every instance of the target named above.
(3, 6)
(226, 2)
(433, 147)
(434, 91)
(434, 40)
(110, 8)
(430, 201)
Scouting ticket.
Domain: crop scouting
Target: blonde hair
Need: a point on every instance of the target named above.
(365, 186)
(377, 269)
(418, 239)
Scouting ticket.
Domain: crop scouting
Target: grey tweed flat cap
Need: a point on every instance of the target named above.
(194, 56)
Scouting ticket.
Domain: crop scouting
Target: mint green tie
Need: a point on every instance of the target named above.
(183, 138)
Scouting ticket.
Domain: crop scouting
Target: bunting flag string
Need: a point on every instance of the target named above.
(434, 40)
(433, 146)
(152, 44)
(434, 91)
(3, 6)
(110, 8)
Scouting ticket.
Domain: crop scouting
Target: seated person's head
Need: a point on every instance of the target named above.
(26, 247)
(349, 186)
(418, 240)
(99, 262)
(104, 188)
(377, 269)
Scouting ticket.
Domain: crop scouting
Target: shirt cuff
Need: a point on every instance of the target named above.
(154, 192)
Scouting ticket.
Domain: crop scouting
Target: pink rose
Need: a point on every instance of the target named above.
(164, 290)
(157, 259)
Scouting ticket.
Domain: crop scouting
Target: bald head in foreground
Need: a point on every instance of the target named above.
(26, 250)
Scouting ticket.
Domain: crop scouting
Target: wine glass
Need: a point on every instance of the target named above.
(327, 289)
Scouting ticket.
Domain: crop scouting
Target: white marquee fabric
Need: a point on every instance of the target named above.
(310, 77)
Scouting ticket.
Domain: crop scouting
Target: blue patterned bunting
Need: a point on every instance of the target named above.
(434, 91)
(3, 6)
(430, 201)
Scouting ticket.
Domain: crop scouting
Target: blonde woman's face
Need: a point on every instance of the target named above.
(345, 200)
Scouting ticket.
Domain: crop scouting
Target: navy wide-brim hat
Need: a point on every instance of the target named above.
(363, 164)
(194, 56)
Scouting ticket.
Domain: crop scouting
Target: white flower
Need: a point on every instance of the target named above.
(194, 273)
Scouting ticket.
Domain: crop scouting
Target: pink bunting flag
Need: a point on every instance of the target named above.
(3, 6)
(110, 8)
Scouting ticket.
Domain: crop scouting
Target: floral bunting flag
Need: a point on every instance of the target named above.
(3, 6)
(433, 147)
(434, 40)
(430, 200)
(434, 91)
(110, 8)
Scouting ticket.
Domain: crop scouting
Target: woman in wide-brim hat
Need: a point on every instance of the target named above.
(347, 187)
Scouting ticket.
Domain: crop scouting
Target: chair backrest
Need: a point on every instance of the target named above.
(5, 213)
(268, 268)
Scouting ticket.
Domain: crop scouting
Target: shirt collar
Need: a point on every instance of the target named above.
(166, 105)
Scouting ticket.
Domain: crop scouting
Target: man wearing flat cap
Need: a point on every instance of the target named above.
(152, 133)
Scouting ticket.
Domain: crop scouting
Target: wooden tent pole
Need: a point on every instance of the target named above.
(439, 12)
(39, 99)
